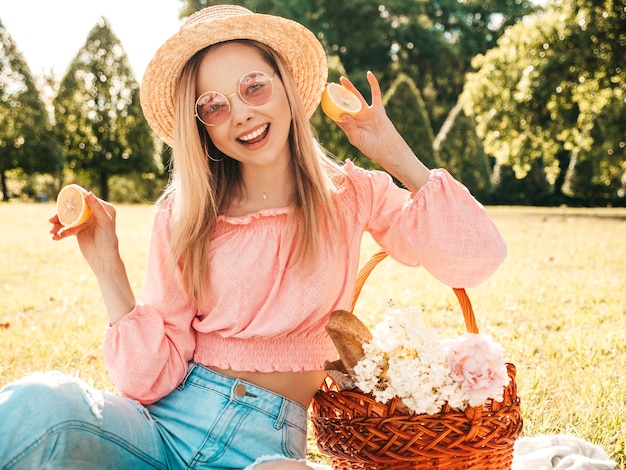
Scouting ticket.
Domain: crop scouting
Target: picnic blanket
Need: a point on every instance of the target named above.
(559, 452)
(553, 452)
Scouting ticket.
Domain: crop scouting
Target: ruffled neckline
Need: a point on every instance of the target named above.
(248, 218)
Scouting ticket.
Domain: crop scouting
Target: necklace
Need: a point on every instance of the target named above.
(264, 196)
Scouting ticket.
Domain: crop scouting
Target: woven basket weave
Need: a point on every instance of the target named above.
(357, 432)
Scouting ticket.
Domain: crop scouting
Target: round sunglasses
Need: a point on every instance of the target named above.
(254, 88)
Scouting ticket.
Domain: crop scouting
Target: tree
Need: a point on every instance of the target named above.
(554, 90)
(406, 108)
(434, 42)
(462, 154)
(98, 113)
(27, 139)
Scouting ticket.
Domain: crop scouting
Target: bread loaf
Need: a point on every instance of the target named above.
(348, 334)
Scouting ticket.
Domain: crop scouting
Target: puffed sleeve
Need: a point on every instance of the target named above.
(442, 227)
(148, 350)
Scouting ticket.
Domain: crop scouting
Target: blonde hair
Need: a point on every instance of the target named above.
(201, 188)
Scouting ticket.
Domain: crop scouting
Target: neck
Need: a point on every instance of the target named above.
(265, 189)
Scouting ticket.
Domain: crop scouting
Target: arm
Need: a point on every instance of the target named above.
(148, 351)
(442, 227)
(149, 343)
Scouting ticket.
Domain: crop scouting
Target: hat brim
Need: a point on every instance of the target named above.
(298, 47)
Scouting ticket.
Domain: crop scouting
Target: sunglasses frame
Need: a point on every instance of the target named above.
(238, 92)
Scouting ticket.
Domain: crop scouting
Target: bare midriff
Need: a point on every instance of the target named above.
(297, 386)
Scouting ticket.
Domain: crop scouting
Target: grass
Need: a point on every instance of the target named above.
(557, 305)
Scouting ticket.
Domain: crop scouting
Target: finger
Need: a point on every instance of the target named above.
(346, 83)
(60, 232)
(56, 231)
(375, 86)
(99, 208)
(56, 228)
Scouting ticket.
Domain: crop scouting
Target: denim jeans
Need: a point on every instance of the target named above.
(210, 421)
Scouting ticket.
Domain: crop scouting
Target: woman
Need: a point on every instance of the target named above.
(255, 242)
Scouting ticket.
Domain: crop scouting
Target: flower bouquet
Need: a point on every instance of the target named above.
(402, 398)
(406, 359)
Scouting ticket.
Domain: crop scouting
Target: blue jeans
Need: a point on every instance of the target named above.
(210, 421)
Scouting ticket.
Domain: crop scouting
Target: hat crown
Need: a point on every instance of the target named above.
(217, 12)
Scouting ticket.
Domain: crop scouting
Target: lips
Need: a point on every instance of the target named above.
(255, 136)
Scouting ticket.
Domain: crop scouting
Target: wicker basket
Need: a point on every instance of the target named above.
(357, 432)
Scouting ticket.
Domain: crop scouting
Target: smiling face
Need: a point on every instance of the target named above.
(253, 135)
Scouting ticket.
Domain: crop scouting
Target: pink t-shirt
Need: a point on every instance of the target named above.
(262, 315)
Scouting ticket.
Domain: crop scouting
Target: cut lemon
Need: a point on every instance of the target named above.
(338, 100)
(72, 208)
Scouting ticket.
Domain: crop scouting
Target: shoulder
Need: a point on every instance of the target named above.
(364, 181)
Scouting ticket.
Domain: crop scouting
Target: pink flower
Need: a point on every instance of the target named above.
(476, 363)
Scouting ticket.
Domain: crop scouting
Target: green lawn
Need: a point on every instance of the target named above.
(557, 305)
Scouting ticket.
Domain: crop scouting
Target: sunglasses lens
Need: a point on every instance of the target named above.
(255, 88)
(212, 108)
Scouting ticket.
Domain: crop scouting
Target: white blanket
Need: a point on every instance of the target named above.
(559, 452)
(556, 452)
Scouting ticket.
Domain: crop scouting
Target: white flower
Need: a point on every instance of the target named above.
(408, 360)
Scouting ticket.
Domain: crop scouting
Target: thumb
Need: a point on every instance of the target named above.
(99, 208)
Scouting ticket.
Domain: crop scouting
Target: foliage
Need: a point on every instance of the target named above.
(406, 108)
(98, 112)
(27, 139)
(461, 153)
(554, 90)
(438, 44)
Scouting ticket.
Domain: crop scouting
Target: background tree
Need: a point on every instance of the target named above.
(434, 41)
(461, 152)
(98, 113)
(408, 112)
(28, 143)
(553, 90)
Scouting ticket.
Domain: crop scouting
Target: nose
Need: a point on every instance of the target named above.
(240, 111)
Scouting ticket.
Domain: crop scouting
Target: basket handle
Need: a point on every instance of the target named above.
(464, 300)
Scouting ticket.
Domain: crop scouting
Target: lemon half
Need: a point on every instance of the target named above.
(72, 208)
(338, 100)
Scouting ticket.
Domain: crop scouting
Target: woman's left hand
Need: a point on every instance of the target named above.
(371, 128)
(373, 133)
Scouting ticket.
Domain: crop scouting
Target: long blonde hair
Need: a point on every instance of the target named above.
(201, 188)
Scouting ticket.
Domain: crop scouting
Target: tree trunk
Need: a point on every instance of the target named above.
(104, 186)
(3, 186)
(570, 174)
(564, 158)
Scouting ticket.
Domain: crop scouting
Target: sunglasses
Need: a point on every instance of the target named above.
(255, 89)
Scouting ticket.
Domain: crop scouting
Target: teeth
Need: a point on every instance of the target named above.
(255, 134)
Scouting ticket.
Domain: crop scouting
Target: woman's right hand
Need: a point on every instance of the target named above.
(373, 133)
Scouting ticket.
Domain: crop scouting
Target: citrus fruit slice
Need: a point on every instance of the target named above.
(338, 100)
(72, 208)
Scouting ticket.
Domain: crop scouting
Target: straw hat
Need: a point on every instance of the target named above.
(298, 47)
